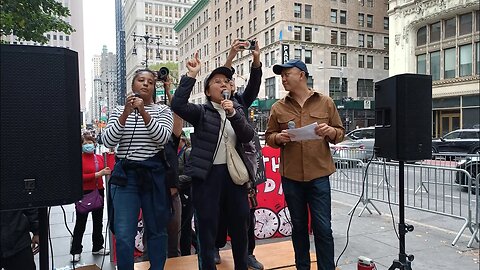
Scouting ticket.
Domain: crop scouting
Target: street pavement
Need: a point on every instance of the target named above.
(370, 235)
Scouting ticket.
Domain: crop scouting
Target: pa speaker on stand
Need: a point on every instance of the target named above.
(403, 116)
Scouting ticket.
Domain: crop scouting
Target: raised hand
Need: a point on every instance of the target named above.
(193, 66)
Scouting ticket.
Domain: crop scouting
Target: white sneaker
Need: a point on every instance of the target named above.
(101, 251)
(75, 257)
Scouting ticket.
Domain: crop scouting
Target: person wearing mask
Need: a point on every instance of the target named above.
(220, 125)
(141, 128)
(245, 99)
(305, 166)
(93, 170)
(17, 246)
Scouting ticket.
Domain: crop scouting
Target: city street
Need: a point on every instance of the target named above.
(372, 236)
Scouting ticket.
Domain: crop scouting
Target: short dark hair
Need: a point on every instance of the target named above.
(87, 137)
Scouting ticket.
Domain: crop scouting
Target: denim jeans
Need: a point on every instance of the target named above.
(127, 201)
(313, 195)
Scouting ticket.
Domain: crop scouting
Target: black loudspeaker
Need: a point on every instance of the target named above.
(403, 115)
(41, 163)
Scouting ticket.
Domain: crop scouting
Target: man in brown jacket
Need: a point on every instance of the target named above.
(305, 166)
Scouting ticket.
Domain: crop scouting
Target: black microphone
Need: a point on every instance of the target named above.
(137, 95)
(291, 125)
(226, 94)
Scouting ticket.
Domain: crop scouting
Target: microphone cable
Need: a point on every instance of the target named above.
(355, 208)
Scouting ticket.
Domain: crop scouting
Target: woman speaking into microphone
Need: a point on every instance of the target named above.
(140, 129)
(217, 171)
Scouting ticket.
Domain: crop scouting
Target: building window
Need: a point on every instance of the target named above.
(385, 63)
(365, 88)
(369, 3)
(477, 15)
(449, 63)
(267, 35)
(422, 64)
(477, 50)
(343, 59)
(370, 21)
(422, 36)
(361, 40)
(249, 27)
(272, 13)
(67, 38)
(343, 38)
(249, 7)
(308, 34)
(361, 19)
(337, 88)
(255, 24)
(385, 23)
(361, 61)
(466, 60)
(308, 11)
(369, 61)
(333, 16)
(297, 10)
(272, 58)
(465, 24)
(334, 59)
(298, 54)
(297, 33)
(308, 56)
(369, 41)
(272, 35)
(435, 32)
(435, 65)
(385, 43)
(266, 16)
(270, 87)
(343, 17)
(267, 59)
(333, 37)
(450, 29)
(310, 81)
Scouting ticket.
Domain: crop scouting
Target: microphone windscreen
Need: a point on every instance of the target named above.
(226, 94)
(291, 125)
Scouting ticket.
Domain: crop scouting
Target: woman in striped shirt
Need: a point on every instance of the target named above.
(140, 129)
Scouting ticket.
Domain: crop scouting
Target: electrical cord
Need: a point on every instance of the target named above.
(355, 208)
(389, 200)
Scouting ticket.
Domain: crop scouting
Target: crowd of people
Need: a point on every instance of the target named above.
(157, 171)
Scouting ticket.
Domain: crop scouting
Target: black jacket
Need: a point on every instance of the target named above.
(206, 121)
(16, 226)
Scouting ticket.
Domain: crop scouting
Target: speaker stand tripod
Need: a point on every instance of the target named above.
(404, 261)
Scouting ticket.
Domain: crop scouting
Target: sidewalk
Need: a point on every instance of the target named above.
(372, 236)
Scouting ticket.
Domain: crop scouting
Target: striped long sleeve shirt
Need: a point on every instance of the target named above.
(138, 140)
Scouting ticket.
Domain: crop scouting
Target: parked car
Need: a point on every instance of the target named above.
(358, 144)
(472, 166)
(466, 141)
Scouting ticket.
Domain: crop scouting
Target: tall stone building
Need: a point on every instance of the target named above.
(156, 42)
(343, 42)
(441, 38)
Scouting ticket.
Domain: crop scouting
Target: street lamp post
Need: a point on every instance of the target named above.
(148, 40)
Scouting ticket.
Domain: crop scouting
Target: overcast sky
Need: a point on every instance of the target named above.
(99, 30)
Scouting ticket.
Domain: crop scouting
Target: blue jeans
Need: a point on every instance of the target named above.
(313, 195)
(127, 201)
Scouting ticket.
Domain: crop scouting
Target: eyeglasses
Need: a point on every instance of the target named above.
(220, 81)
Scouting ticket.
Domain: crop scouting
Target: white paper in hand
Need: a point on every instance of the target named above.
(304, 133)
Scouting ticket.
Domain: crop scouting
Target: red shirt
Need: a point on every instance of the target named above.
(88, 171)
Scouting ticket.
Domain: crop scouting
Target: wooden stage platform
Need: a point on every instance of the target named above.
(273, 256)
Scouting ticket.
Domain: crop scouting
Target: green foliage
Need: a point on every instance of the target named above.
(31, 19)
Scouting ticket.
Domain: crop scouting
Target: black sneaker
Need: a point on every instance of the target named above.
(216, 257)
(253, 263)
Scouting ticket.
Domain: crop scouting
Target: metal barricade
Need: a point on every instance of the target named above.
(436, 186)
